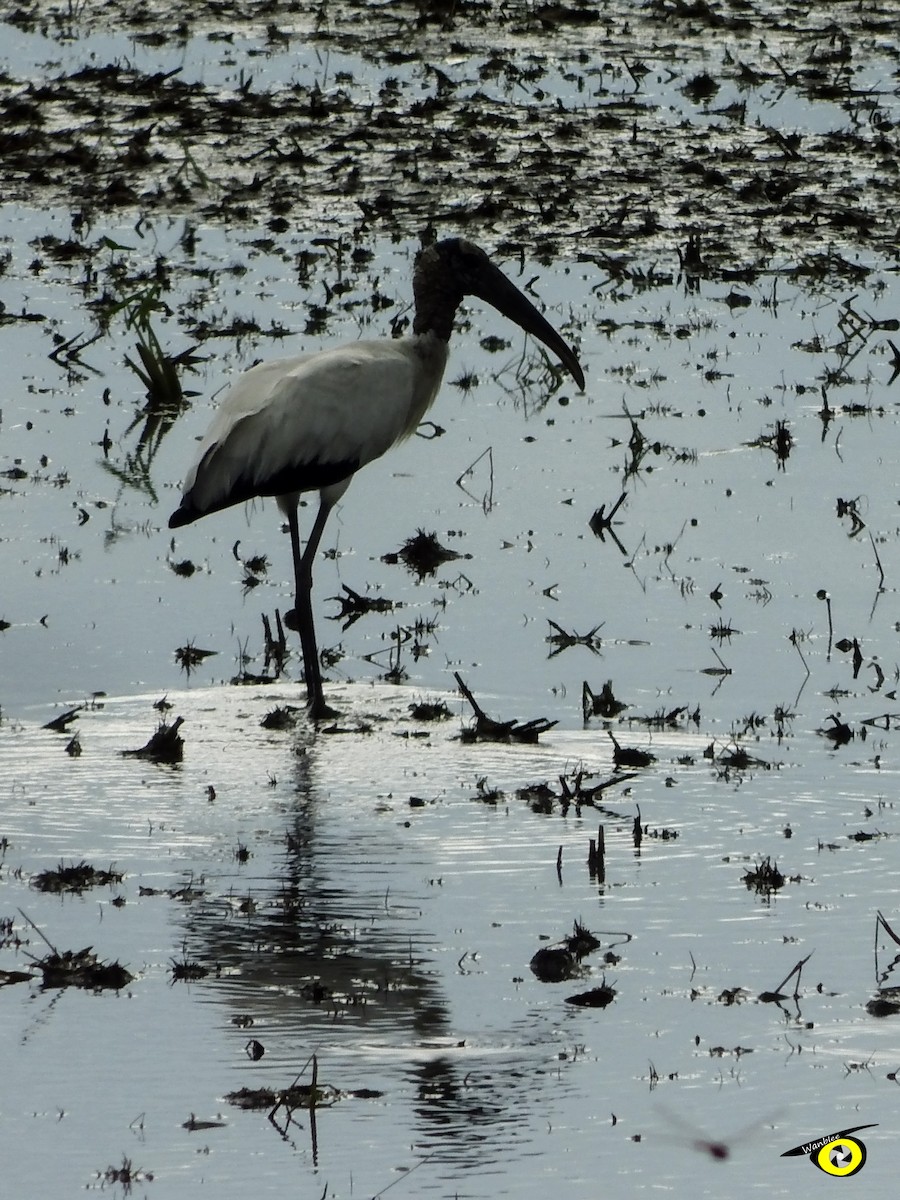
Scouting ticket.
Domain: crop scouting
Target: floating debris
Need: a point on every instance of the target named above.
(298, 1095)
(166, 745)
(76, 968)
(560, 639)
(77, 877)
(598, 997)
(61, 723)
(885, 1004)
(488, 730)
(765, 878)
(779, 994)
(82, 968)
(600, 704)
(195, 1124)
(285, 716)
(127, 1174)
(552, 964)
(188, 657)
(629, 756)
(10, 977)
(186, 970)
(430, 710)
(422, 554)
(581, 941)
(353, 605)
(739, 760)
(840, 732)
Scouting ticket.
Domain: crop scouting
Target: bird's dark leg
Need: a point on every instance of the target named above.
(303, 614)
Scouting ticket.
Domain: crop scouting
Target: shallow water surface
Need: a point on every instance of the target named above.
(373, 894)
(393, 942)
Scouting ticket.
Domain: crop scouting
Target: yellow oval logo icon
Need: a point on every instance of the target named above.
(842, 1156)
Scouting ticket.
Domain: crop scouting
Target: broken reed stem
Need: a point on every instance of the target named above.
(596, 856)
(795, 970)
(796, 640)
(877, 561)
(313, 1131)
(476, 707)
(41, 935)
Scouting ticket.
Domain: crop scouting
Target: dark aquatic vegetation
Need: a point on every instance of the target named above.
(487, 729)
(765, 878)
(83, 969)
(630, 756)
(552, 964)
(165, 746)
(423, 554)
(596, 997)
(76, 877)
(600, 704)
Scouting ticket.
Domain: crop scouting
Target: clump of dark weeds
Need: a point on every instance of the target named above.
(738, 759)
(430, 710)
(630, 756)
(185, 970)
(354, 605)
(298, 1095)
(581, 941)
(422, 554)
(561, 639)
(885, 1004)
(600, 704)
(574, 791)
(553, 964)
(668, 718)
(165, 746)
(76, 968)
(765, 878)
(487, 794)
(190, 656)
(597, 997)
(840, 733)
(127, 1174)
(77, 877)
(281, 718)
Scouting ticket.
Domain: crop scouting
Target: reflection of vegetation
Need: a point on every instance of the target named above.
(160, 373)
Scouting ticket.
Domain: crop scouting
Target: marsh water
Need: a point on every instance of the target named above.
(711, 528)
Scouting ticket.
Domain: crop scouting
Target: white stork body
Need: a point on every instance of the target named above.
(297, 424)
(309, 423)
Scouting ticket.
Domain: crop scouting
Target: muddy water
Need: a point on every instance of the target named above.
(741, 397)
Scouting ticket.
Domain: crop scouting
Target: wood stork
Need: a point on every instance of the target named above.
(309, 423)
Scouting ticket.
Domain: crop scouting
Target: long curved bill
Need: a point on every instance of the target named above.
(501, 293)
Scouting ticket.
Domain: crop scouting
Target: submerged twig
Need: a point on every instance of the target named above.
(488, 730)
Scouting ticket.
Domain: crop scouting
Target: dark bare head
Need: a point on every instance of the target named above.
(453, 268)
